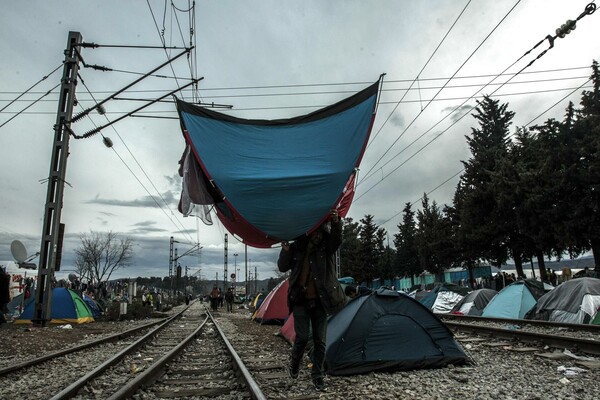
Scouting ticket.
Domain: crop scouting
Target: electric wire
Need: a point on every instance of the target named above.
(509, 136)
(31, 87)
(82, 99)
(162, 39)
(141, 168)
(466, 113)
(370, 172)
(416, 80)
(30, 105)
(145, 114)
(181, 32)
(388, 81)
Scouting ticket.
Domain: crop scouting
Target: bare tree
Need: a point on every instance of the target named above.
(101, 254)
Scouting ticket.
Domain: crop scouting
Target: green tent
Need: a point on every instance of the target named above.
(67, 307)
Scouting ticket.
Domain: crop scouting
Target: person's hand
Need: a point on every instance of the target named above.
(334, 216)
(285, 246)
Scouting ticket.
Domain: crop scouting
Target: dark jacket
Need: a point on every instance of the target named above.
(322, 266)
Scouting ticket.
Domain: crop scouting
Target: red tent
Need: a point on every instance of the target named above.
(287, 330)
(274, 309)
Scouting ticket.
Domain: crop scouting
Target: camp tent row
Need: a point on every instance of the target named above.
(386, 329)
(376, 331)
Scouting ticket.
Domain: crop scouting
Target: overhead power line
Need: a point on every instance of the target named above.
(182, 230)
(370, 172)
(31, 87)
(462, 169)
(561, 32)
(309, 85)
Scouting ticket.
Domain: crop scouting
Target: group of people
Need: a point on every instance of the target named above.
(149, 300)
(216, 298)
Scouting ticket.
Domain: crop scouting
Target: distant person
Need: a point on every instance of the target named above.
(553, 278)
(313, 292)
(221, 298)
(214, 298)
(158, 301)
(149, 300)
(229, 300)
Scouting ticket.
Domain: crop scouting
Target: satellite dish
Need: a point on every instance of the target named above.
(18, 251)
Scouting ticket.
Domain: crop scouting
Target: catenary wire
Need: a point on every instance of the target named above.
(370, 172)
(388, 82)
(28, 106)
(462, 116)
(31, 87)
(509, 136)
(417, 79)
(141, 168)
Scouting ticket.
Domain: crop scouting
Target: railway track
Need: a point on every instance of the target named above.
(122, 337)
(200, 356)
(187, 355)
(577, 338)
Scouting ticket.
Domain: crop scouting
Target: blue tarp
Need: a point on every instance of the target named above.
(275, 180)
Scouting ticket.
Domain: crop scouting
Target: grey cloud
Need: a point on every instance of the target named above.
(146, 201)
(460, 111)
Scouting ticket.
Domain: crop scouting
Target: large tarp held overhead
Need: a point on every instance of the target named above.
(274, 180)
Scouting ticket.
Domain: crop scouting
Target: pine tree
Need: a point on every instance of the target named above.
(371, 249)
(586, 205)
(483, 227)
(407, 257)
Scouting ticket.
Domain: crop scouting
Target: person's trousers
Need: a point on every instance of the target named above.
(306, 318)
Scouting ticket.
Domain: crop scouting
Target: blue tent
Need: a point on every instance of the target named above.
(388, 330)
(515, 300)
(274, 180)
(94, 307)
(67, 307)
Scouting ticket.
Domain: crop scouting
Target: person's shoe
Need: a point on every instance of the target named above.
(319, 384)
(293, 371)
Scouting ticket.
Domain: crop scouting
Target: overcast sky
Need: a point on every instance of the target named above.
(267, 59)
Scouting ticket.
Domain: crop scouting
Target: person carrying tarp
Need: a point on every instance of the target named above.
(313, 292)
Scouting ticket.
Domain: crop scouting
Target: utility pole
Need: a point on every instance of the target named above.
(171, 257)
(246, 271)
(51, 246)
(225, 248)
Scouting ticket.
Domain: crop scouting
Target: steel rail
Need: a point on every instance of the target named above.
(578, 344)
(156, 370)
(71, 390)
(255, 391)
(534, 322)
(73, 349)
